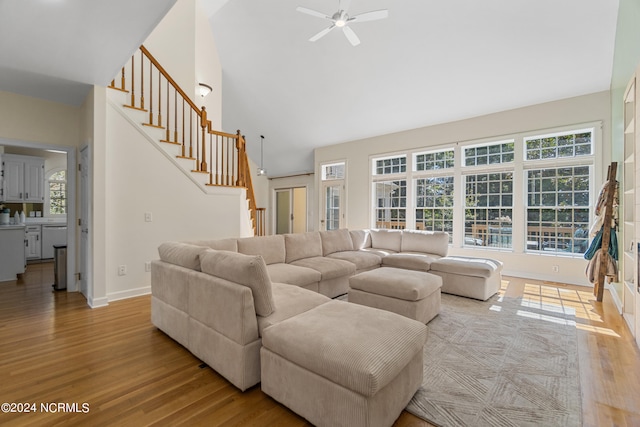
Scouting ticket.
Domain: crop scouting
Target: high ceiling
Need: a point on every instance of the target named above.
(58, 49)
(427, 63)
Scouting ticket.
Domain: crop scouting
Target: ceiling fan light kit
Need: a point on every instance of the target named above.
(342, 20)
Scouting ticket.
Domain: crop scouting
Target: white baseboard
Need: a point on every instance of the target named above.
(98, 302)
(130, 293)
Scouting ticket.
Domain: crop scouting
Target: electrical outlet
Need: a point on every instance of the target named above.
(122, 270)
(148, 217)
(147, 266)
(555, 268)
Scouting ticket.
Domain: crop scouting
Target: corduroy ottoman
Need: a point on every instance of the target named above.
(413, 294)
(342, 364)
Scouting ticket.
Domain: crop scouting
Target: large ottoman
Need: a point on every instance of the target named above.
(477, 278)
(413, 294)
(342, 364)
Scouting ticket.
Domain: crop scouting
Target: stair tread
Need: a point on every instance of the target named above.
(170, 142)
(135, 108)
(153, 126)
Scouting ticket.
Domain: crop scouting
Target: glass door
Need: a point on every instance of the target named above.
(332, 215)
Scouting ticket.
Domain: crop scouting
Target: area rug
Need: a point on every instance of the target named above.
(502, 362)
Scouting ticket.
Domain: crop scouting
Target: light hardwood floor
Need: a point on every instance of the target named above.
(55, 349)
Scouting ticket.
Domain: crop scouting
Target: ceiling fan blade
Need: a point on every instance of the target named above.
(351, 36)
(370, 16)
(322, 33)
(312, 12)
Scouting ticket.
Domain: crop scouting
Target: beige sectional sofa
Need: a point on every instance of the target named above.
(200, 299)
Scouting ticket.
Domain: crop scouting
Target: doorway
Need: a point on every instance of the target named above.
(291, 210)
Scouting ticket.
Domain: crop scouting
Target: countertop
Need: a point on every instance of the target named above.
(45, 221)
(11, 226)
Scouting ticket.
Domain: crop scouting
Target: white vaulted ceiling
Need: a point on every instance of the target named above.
(429, 62)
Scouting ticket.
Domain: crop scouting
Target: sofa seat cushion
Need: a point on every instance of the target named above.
(410, 260)
(246, 270)
(362, 259)
(329, 268)
(270, 247)
(290, 301)
(380, 252)
(467, 266)
(293, 274)
(357, 347)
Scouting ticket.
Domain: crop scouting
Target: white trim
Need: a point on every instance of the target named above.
(129, 293)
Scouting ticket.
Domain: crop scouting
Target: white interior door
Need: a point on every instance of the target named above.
(332, 216)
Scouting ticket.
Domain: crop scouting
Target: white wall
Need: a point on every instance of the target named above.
(583, 109)
(141, 179)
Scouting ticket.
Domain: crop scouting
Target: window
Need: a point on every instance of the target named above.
(333, 171)
(391, 165)
(558, 209)
(57, 183)
(434, 161)
(489, 154)
(488, 209)
(559, 146)
(434, 204)
(391, 203)
(522, 193)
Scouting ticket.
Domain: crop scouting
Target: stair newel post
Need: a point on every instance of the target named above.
(240, 146)
(203, 125)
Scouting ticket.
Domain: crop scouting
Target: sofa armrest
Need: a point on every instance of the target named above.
(224, 306)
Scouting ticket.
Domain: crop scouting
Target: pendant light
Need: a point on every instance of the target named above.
(262, 171)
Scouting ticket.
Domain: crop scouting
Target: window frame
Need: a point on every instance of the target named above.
(518, 166)
(47, 201)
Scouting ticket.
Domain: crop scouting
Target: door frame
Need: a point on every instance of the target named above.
(72, 284)
(324, 185)
(290, 189)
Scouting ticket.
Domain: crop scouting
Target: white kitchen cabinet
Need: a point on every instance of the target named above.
(33, 248)
(23, 178)
(12, 260)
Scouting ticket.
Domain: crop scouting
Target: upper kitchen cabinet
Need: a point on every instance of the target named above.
(23, 179)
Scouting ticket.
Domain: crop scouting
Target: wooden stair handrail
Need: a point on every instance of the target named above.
(229, 168)
(168, 77)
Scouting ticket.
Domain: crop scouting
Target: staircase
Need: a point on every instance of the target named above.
(212, 159)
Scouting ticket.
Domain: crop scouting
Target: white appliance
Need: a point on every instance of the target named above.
(52, 235)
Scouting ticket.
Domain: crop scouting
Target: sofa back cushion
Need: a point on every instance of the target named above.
(246, 270)
(361, 239)
(386, 239)
(336, 241)
(302, 245)
(270, 247)
(431, 242)
(230, 245)
(182, 254)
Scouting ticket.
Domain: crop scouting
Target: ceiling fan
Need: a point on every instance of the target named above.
(342, 20)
